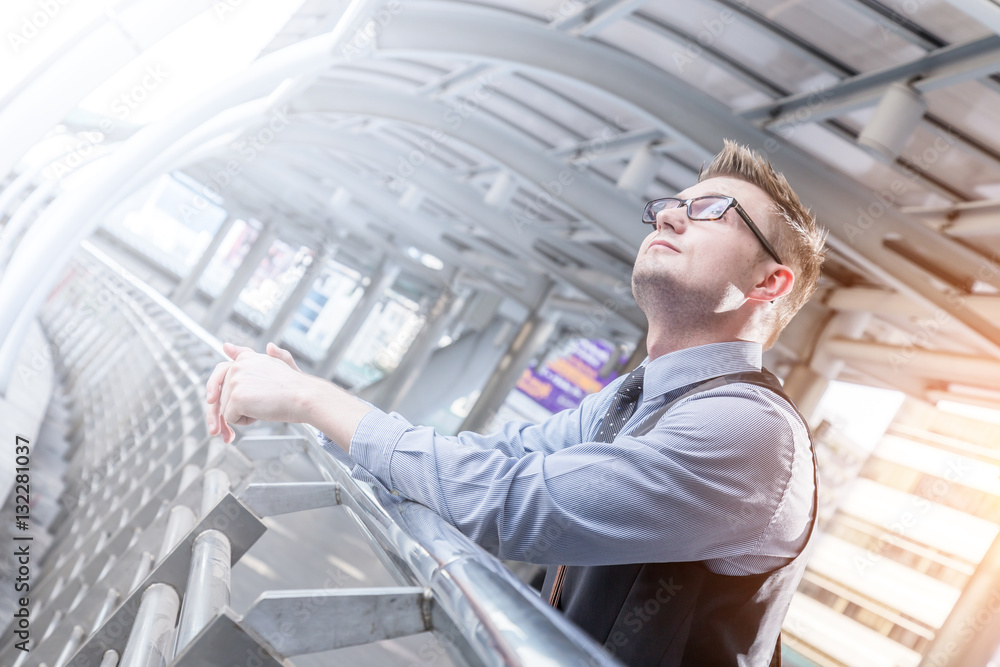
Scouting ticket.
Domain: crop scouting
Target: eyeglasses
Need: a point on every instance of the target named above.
(709, 207)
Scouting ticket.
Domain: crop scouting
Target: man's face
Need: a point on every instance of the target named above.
(700, 267)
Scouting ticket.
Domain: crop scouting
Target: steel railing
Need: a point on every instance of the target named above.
(157, 512)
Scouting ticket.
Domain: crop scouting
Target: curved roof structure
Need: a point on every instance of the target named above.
(516, 141)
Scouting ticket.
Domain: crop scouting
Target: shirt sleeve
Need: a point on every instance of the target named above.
(706, 483)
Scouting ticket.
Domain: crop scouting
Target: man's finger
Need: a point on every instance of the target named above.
(233, 350)
(283, 354)
(225, 412)
(214, 384)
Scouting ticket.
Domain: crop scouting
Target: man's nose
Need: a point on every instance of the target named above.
(675, 218)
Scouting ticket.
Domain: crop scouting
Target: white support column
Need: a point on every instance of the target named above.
(534, 332)
(294, 299)
(383, 278)
(640, 171)
(806, 387)
(395, 386)
(185, 288)
(919, 362)
(501, 191)
(971, 633)
(807, 382)
(22, 217)
(412, 198)
(220, 309)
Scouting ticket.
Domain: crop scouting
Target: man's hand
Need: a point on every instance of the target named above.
(255, 386)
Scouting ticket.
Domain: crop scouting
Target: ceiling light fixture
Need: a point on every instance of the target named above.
(894, 120)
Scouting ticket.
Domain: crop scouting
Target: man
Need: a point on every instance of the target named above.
(674, 506)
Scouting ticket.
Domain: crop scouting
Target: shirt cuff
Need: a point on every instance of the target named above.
(375, 441)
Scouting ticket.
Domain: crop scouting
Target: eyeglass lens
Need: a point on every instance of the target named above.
(703, 208)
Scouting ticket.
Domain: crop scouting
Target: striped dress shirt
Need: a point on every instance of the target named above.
(724, 477)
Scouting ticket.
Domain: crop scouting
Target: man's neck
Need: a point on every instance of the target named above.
(662, 338)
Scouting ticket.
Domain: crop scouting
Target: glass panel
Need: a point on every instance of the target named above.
(320, 316)
(168, 223)
(381, 343)
(230, 255)
(277, 275)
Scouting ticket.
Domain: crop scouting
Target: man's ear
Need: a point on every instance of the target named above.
(775, 284)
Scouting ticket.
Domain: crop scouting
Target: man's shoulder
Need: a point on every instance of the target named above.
(741, 404)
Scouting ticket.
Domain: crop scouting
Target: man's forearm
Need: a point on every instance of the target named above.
(333, 411)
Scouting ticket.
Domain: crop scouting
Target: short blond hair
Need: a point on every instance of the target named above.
(799, 240)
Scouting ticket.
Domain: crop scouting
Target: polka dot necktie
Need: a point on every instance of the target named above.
(621, 409)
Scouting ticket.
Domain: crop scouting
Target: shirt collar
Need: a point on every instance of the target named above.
(695, 364)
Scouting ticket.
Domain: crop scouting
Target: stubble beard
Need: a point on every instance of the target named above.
(662, 297)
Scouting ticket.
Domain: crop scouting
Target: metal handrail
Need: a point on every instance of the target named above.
(487, 615)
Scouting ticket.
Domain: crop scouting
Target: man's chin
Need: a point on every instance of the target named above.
(652, 289)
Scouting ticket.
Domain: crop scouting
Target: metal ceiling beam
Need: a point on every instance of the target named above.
(788, 39)
(622, 146)
(761, 83)
(888, 20)
(592, 198)
(468, 201)
(518, 157)
(966, 220)
(891, 21)
(596, 16)
(384, 207)
(840, 202)
(456, 77)
(915, 361)
(731, 65)
(380, 205)
(884, 302)
(938, 69)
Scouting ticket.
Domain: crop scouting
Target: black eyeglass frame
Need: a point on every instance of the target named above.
(732, 203)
